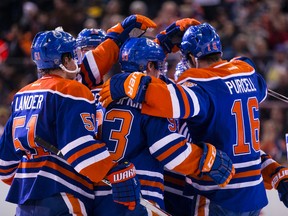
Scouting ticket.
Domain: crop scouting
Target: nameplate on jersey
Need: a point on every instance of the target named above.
(129, 102)
(28, 102)
(239, 86)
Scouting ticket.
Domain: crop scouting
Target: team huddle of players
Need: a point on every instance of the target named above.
(190, 146)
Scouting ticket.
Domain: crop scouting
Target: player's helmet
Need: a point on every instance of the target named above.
(90, 37)
(49, 46)
(201, 40)
(135, 54)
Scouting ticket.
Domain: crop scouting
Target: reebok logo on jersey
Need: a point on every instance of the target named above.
(189, 84)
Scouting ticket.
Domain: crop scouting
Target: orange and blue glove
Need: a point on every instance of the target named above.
(216, 164)
(120, 32)
(132, 85)
(125, 185)
(280, 183)
(170, 39)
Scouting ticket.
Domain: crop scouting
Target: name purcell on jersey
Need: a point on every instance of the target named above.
(239, 86)
(26, 102)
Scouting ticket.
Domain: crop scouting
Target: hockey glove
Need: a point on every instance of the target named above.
(125, 185)
(121, 85)
(280, 182)
(170, 39)
(120, 32)
(216, 164)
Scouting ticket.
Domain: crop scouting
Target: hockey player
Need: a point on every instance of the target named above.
(151, 143)
(51, 108)
(220, 102)
(89, 39)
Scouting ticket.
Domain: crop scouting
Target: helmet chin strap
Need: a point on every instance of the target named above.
(197, 63)
(193, 61)
(77, 70)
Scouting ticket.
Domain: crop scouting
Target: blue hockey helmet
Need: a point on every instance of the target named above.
(135, 54)
(49, 46)
(90, 37)
(200, 40)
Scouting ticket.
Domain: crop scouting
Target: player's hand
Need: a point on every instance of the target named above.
(170, 39)
(132, 85)
(216, 164)
(280, 182)
(120, 32)
(125, 185)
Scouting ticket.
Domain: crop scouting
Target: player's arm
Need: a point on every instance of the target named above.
(169, 101)
(177, 101)
(175, 153)
(275, 176)
(76, 140)
(9, 158)
(98, 62)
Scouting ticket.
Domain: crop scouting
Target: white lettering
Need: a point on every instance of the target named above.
(28, 102)
(125, 175)
(230, 86)
(131, 85)
(278, 177)
(129, 102)
(240, 86)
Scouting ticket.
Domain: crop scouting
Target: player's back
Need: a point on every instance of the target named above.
(231, 123)
(150, 143)
(37, 110)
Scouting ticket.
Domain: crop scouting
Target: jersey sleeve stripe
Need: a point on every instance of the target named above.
(179, 159)
(149, 173)
(185, 101)
(92, 160)
(93, 66)
(53, 166)
(247, 174)
(152, 194)
(84, 151)
(152, 184)
(227, 187)
(266, 163)
(164, 141)
(174, 101)
(247, 164)
(55, 178)
(196, 106)
(170, 151)
(8, 163)
(76, 143)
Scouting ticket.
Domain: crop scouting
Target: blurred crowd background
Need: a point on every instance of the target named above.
(254, 28)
